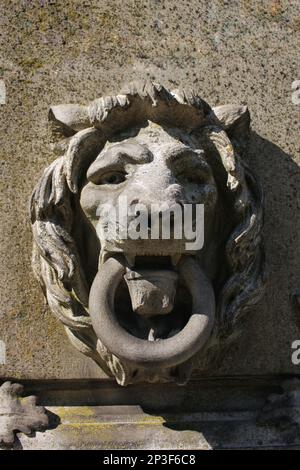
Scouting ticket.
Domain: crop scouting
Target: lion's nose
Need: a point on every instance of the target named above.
(157, 205)
(156, 216)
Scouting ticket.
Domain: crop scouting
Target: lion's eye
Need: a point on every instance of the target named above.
(194, 177)
(115, 177)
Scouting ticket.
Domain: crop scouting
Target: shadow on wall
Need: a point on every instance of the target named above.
(274, 323)
(280, 179)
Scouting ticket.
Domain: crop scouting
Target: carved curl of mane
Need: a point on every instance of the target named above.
(55, 209)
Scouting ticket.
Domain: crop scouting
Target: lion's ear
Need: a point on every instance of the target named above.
(67, 119)
(235, 119)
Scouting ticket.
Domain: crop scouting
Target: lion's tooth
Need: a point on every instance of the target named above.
(151, 336)
(175, 259)
(130, 259)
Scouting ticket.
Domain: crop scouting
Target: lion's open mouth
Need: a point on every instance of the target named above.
(153, 315)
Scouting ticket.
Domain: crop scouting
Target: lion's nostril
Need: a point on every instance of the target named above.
(133, 202)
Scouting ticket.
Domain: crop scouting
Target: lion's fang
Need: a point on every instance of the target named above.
(151, 335)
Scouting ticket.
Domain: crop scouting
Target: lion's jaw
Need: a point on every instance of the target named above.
(151, 304)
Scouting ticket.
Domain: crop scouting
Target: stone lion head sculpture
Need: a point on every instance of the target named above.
(148, 309)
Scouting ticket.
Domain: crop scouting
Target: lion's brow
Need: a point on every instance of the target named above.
(179, 152)
(119, 154)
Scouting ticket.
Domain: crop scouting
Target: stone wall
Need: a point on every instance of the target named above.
(74, 51)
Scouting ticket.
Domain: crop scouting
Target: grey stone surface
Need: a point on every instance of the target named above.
(233, 52)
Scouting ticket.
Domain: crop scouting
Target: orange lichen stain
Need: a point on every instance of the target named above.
(296, 23)
(70, 412)
(275, 8)
(148, 419)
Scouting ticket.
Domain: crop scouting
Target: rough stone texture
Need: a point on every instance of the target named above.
(230, 52)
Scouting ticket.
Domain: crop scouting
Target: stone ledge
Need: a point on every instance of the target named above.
(208, 413)
(128, 427)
